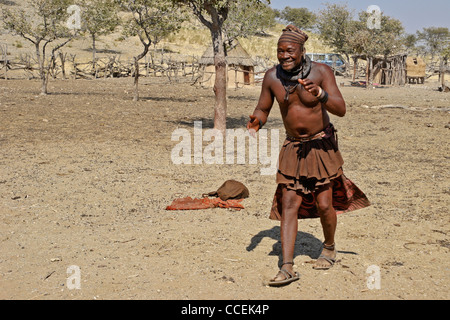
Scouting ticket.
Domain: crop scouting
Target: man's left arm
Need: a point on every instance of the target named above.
(328, 92)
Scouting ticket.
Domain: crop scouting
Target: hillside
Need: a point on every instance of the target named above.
(191, 41)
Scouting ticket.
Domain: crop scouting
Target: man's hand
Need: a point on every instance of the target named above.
(253, 125)
(310, 86)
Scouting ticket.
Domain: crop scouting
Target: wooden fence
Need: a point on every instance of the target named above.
(174, 68)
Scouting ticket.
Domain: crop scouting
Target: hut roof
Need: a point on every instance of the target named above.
(236, 56)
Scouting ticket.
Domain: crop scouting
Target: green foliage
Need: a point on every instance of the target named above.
(333, 24)
(409, 42)
(45, 22)
(214, 13)
(339, 30)
(151, 20)
(247, 18)
(231, 19)
(99, 17)
(436, 41)
(386, 40)
(300, 17)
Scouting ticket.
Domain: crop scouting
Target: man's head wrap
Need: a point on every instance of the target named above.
(293, 34)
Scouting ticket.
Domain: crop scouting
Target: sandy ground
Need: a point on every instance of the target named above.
(86, 174)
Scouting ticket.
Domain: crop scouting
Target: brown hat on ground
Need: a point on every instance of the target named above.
(230, 189)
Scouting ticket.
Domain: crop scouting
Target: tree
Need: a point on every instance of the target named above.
(44, 24)
(100, 17)
(247, 18)
(300, 17)
(150, 20)
(333, 24)
(385, 40)
(435, 39)
(410, 41)
(437, 42)
(213, 14)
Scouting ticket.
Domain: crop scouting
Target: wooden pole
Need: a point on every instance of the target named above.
(62, 57)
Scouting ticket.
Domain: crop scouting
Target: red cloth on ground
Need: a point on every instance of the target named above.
(204, 203)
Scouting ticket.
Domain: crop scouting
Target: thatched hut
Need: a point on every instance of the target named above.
(415, 70)
(240, 67)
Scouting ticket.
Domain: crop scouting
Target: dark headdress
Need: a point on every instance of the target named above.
(293, 34)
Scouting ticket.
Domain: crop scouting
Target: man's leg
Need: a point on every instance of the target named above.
(328, 219)
(291, 202)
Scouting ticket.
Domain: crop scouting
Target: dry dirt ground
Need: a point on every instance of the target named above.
(86, 175)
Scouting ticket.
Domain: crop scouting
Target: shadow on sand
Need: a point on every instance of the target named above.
(305, 245)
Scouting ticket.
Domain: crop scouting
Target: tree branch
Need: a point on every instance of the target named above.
(198, 12)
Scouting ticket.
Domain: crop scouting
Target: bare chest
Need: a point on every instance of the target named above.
(286, 96)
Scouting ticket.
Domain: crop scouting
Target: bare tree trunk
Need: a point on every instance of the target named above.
(45, 72)
(94, 49)
(136, 79)
(40, 60)
(136, 69)
(367, 73)
(220, 83)
(62, 57)
(371, 72)
(94, 52)
(44, 89)
(220, 88)
(4, 50)
(44, 83)
(75, 69)
(218, 16)
(369, 76)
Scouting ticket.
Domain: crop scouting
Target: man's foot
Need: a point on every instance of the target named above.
(327, 258)
(285, 276)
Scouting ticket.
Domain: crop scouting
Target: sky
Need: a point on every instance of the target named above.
(414, 14)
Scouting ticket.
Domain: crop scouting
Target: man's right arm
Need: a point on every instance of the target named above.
(265, 103)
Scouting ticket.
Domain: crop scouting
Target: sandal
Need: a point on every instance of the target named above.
(289, 277)
(331, 261)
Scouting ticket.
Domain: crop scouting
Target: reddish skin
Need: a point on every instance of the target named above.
(303, 115)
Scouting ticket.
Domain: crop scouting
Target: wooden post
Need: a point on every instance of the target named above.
(62, 57)
(333, 58)
(355, 63)
(4, 49)
(368, 72)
